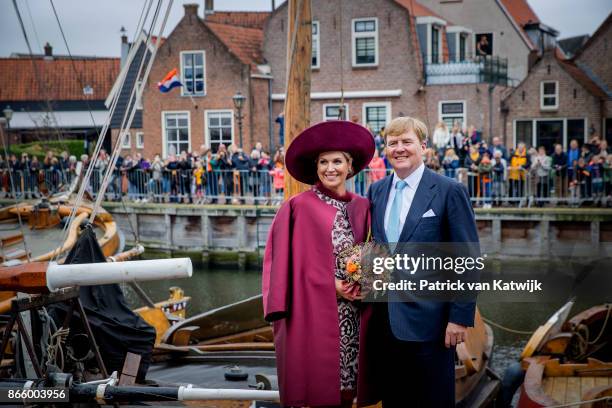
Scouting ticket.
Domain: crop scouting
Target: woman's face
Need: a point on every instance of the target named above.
(333, 169)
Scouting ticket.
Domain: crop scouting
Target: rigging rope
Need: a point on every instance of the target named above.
(341, 110)
(509, 330)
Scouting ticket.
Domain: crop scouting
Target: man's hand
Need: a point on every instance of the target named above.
(455, 334)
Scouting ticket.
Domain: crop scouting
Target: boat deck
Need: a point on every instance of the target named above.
(566, 390)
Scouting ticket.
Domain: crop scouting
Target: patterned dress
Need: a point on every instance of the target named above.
(348, 312)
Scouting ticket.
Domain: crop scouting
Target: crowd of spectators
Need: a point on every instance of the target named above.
(494, 175)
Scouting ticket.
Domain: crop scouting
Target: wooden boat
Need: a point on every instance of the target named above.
(572, 361)
(237, 334)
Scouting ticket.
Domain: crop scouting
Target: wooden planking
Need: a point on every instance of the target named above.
(559, 389)
(573, 392)
(547, 385)
(601, 381)
(587, 383)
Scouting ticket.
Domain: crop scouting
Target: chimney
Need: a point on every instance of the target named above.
(191, 9)
(273, 5)
(48, 51)
(209, 7)
(125, 46)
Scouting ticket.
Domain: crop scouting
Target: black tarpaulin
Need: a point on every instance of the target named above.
(116, 328)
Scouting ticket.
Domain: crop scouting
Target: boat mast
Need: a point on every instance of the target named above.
(297, 98)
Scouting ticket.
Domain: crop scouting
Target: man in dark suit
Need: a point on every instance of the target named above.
(417, 205)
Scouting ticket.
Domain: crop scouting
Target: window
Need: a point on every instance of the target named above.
(138, 95)
(376, 115)
(332, 112)
(576, 129)
(316, 54)
(193, 73)
(219, 128)
(484, 44)
(462, 46)
(549, 133)
(452, 112)
(365, 42)
(139, 140)
(176, 132)
(435, 44)
(549, 95)
(523, 132)
(126, 142)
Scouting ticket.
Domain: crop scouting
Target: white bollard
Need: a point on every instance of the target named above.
(203, 394)
(63, 276)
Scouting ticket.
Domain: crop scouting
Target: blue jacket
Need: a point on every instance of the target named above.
(453, 222)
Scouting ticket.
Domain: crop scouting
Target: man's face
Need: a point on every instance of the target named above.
(405, 152)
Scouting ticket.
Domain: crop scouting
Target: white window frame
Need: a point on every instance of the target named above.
(464, 115)
(207, 113)
(459, 31)
(140, 140)
(431, 21)
(165, 141)
(317, 49)
(126, 141)
(386, 105)
(327, 105)
(184, 87)
(355, 35)
(542, 96)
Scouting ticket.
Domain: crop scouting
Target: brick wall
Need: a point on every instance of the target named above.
(583, 105)
(225, 75)
(598, 55)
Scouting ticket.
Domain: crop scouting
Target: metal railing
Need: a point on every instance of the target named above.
(470, 70)
(513, 186)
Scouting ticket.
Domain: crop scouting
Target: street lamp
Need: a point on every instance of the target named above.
(238, 104)
(8, 114)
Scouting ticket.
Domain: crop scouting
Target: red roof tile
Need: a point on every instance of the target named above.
(245, 43)
(416, 9)
(521, 12)
(57, 80)
(249, 19)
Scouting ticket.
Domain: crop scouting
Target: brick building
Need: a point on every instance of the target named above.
(53, 97)
(563, 99)
(216, 56)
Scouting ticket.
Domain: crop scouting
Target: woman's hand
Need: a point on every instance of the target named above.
(348, 291)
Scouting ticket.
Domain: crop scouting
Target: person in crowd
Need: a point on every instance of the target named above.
(583, 178)
(498, 170)
(572, 156)
(255, 177)
(242, 163)
(184, 167)
(377, 168)
(496, 144)
(431, 159)
(225, 168)
(540, 167)
(456, 140)
(597, 177)
(608, 179)
(472, 160)
(603, 150)
(278, 179)
(450, 162)
(200, 181)
(485, 170)
(517, 171)
(586, 153)
(156, 183)
(441, 138)
(264, 165)
(559, 167)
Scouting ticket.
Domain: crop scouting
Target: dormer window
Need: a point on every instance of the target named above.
(458, 38)
(429, 31)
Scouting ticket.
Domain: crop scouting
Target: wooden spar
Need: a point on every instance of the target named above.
(299, 60)
(29, 277)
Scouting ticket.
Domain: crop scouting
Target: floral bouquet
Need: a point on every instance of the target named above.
(356, 265)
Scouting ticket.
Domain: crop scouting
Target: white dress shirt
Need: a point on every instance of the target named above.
(408, 192)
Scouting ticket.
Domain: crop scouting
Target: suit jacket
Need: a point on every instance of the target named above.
(453, 222)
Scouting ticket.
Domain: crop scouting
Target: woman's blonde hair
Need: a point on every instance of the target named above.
(403, 124)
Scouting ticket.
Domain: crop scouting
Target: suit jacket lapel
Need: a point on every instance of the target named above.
(380, 209)
(420, 203)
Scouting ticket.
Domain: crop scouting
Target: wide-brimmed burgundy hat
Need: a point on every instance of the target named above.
(331, 136)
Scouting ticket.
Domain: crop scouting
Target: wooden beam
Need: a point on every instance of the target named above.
(299, 59)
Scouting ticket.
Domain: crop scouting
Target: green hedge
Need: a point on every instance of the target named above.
(39, 149)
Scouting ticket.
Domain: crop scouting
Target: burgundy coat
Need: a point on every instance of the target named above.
(299, 296)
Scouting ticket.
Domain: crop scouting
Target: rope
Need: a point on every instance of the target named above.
(509, 330)
(137, 93)
(578, 403)
(603, 326)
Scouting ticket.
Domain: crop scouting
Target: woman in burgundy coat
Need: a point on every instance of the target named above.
(319, 322)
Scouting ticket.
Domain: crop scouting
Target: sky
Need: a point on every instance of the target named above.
(92, 27)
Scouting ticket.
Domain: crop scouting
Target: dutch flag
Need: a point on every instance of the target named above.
(171, 80)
